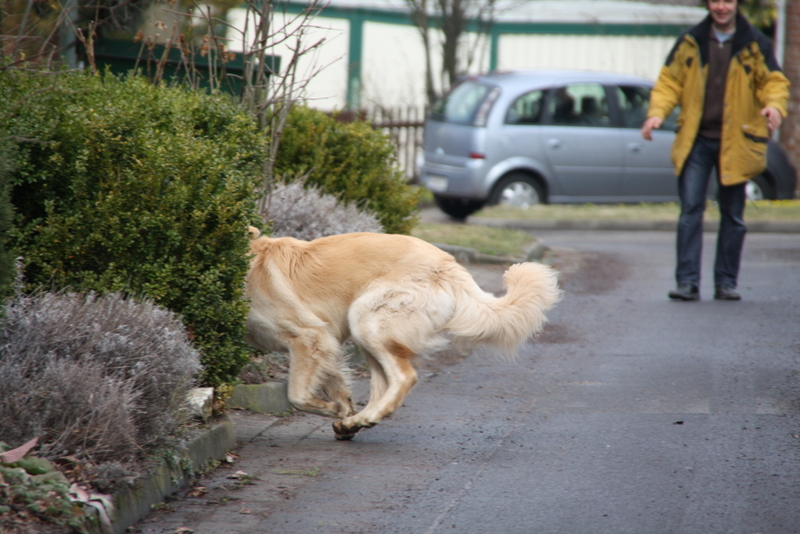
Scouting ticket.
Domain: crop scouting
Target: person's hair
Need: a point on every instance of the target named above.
(738, 5)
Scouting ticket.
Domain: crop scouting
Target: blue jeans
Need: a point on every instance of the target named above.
(692, 188)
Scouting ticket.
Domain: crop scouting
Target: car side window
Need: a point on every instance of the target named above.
(634, 102)
(579, 104)
(526, 109)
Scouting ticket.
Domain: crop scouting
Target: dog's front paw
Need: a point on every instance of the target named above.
(344, 433)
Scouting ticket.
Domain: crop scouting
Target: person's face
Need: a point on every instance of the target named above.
(723, 13)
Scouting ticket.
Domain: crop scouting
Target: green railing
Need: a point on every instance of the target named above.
(123, 56)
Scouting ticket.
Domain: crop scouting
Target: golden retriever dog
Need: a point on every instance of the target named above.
(396, 297)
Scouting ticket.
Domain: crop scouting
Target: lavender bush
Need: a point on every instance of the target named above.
(292, 210)
(100, 379)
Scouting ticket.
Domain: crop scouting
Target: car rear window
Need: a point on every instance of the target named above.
(464, 103)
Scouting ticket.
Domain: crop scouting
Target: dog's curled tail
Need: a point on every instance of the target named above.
(506, 322)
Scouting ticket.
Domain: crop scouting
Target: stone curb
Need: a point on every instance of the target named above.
(269, 397)
(133, 504)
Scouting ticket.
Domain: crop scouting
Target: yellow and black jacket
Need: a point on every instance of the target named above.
(754, 81)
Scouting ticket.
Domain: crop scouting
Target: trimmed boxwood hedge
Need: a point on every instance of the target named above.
(352, 161)
(120, 185)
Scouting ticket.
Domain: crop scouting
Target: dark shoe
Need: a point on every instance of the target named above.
(685, 292)
(726, 293)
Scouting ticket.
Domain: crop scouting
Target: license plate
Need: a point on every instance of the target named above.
(437, 183)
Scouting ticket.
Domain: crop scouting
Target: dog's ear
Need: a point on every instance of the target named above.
(254, 232)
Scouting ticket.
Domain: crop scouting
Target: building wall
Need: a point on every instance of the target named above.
(374, 57)
(628, 54)
(322, 71)
(393, 66)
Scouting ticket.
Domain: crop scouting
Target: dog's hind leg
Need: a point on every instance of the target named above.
(314, 368)
(378, 382)
(396, 374)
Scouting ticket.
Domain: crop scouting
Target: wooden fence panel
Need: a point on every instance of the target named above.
(405, 127)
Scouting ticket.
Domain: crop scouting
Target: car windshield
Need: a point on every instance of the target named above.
(462, 104)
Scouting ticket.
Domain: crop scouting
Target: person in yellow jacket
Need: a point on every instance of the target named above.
(732, 94)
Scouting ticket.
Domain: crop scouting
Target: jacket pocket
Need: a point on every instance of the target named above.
(756, 138)
(751, 157)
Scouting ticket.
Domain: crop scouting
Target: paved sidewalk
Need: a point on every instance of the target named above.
(265, 469)
(268, 467)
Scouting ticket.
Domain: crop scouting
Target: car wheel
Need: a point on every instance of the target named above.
(458, 208)
(759, 188)
(518, 190)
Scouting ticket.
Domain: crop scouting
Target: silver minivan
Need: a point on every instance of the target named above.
(556, 136)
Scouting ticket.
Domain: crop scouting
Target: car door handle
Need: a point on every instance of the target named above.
(554, 143)
(634, 147)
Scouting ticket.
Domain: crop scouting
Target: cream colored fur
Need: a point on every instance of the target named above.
(396, 296)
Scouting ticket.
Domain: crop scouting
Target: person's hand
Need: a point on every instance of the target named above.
(649, 124)
(773, 116)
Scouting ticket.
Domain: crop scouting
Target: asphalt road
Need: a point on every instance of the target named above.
(630, 414)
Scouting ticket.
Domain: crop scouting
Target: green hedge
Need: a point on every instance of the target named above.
(352, 161)
(123, 186)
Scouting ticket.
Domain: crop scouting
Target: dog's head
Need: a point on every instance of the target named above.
(258, 243)
(272, 246)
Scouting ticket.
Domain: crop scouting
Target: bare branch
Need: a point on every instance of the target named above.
(452, 18)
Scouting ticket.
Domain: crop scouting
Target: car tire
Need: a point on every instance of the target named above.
(518, 190)
(759, 188)
(458, 208)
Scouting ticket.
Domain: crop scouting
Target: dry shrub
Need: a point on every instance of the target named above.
(101, 379)
(307, 213)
